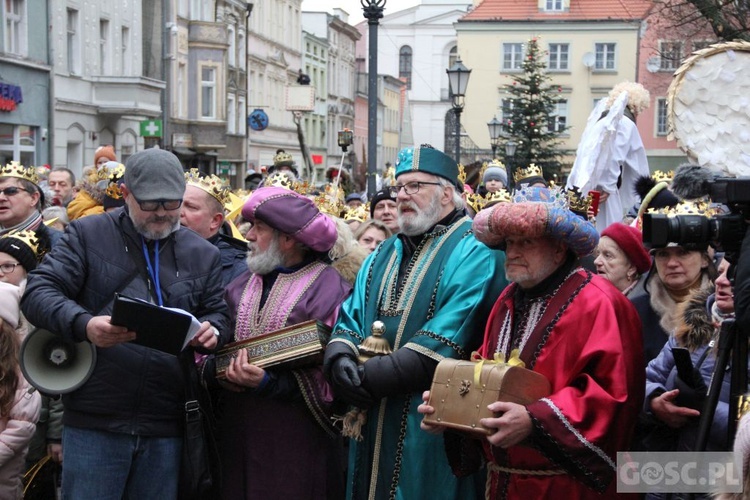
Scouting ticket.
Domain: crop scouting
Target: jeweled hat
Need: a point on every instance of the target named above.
(292, 214)
(539, 214)
(478, 202)
(211, 184)
(425, 158)
(529, 175)
(15, 169)
(23, 246)
(360, 213)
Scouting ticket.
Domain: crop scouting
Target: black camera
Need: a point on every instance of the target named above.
(696, 232)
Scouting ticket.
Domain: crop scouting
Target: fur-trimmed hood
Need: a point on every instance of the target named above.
(695, 326)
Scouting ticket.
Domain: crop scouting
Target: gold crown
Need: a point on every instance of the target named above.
(461, 174)
(478, 202)
(331, 201)
(390, 177)
(525, 173)
(282, 159)
(685, 208)
(360, 213)
(114, 176)
(15, 169)
(280, 179)
(578, 203)
(660, 176)
(29, 238)
(211, 184)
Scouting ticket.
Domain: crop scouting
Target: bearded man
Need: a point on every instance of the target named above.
(276, 436)
(576, 329)
(431, 286)
(122, 429)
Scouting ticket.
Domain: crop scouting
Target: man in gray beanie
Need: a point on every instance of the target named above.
(122, 428)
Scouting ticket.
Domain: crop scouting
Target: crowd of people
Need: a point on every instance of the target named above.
(424, 269)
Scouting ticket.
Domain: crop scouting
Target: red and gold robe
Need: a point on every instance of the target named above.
(586, 339)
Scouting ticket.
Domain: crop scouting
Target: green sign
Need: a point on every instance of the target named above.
(224, 167)
(151, 128)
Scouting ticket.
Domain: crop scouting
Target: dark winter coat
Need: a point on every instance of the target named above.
(133, 389)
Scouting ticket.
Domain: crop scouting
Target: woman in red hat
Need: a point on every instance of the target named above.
(621, 256)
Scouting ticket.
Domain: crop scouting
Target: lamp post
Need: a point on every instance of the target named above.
(458, 79)
(373, 11)
(496, 129)
(510, 152)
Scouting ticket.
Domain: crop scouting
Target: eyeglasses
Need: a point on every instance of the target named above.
(153, 206)
(8, 268)
(12, 191)
(411, 187)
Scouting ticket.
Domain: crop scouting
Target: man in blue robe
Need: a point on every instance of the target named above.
(432, 286)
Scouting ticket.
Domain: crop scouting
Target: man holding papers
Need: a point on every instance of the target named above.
(123, 428)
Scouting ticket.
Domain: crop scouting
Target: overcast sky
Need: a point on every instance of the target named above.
(354, 7)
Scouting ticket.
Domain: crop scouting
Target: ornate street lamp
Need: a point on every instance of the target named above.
(373, 12)
(495, 127)
(458, 79)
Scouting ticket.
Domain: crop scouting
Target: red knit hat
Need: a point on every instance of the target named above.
(630, 240)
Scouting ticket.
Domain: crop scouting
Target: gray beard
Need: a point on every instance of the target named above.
(264, 262)
(154, 235)
(422, 221)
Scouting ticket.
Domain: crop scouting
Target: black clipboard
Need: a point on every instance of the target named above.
(155, 327)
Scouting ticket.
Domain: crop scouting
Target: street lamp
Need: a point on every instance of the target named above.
(373, 11)
(496, 129)
(458, 79)
(510, 152)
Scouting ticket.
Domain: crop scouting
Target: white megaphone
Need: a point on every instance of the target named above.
(54, 365)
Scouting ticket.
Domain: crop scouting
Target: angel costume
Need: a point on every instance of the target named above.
(610, 157)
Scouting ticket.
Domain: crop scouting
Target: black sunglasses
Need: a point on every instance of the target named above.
(12, 191)
(153, 206)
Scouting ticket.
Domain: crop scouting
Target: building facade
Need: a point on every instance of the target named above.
(25, 83)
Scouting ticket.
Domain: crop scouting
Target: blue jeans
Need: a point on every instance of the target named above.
(107, 465)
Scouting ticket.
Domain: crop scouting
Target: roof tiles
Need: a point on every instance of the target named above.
(580, 10)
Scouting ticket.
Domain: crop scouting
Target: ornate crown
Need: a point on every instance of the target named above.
(478, 202)
(282, 158)
(525, 173)
(15, 169)
(280, 179)
(211, 184)
(552, 195)
(113, 181)
(660, 176)
(331, 201)
(578, 203)
(29, 238)
(390, 177)
(360, 213)
(685, 208)
(461, 174)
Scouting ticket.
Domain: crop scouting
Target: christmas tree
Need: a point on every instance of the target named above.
(530, 114)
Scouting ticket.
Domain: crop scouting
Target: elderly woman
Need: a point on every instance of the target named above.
(621, 256)
(679, 272)
(675, 402)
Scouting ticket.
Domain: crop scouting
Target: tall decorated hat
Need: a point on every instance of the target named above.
(425, 158)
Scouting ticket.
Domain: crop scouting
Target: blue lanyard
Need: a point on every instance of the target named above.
(153, 270)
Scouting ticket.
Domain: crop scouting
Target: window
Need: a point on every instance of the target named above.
(553, 5)
(74, 48)
(17, 143)
(558, 56)
(605, 56)
(104, 47)
(512, 56)
(15, 27)
(661, 116)
(242, 114)
(125, 41)
(127, 146)
(670, 55)
(404, 64)
(241, 57)
(232, 55)
(452, 57)
(231, 115)
(701, 44)
(208, 92)
(559, 117)
(181, 90)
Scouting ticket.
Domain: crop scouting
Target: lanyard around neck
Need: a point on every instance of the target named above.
(153, 271)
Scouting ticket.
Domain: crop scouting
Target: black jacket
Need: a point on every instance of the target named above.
(133, 389)
(233, 256)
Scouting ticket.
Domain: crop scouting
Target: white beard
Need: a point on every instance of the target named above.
(422, 221)
(264, 262)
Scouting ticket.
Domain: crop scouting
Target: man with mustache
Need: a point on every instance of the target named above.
(276, 435)
(577, 330)
(123, 427)
(431, 286)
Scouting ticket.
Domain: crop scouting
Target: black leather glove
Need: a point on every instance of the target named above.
(347, 377)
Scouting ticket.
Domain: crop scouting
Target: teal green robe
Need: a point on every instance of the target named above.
(440, 311)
